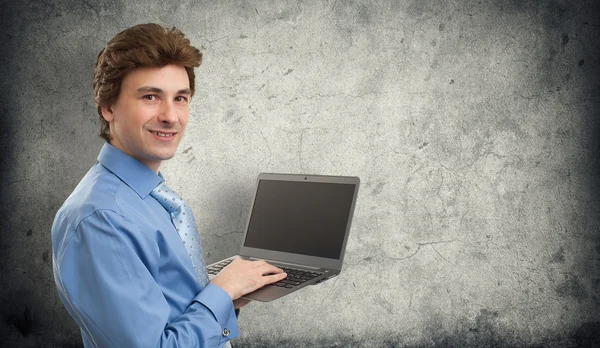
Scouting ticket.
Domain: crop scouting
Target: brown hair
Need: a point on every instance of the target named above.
(143, 45)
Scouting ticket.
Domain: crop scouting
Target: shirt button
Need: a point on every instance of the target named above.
(226, 332)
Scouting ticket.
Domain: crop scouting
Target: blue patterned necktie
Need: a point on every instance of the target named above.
(184, 222)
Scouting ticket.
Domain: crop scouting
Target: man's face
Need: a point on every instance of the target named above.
(149, 117)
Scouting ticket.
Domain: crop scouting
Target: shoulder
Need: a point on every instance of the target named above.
(98, 190)
(100, 199)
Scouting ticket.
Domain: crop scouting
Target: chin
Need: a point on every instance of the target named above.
(165, 156)
(165, 153)
(159, 155)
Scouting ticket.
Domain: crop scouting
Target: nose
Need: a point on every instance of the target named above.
(168, 113)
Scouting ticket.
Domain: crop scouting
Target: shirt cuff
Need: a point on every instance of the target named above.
(218, 302)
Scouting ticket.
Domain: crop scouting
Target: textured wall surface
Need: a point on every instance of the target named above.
(474, 126)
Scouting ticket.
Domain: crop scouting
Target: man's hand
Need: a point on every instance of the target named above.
(241, 277)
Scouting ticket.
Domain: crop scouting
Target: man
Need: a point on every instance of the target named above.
(127, 259)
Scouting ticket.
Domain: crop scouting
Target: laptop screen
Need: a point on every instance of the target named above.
(308, 218)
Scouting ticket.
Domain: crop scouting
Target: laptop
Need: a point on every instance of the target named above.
(299, 223)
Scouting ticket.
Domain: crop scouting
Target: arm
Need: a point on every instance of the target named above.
(105, 279)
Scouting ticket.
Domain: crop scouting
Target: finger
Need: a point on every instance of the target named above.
(277, 270)
(269, 269)
(265, 264)
(274, 278)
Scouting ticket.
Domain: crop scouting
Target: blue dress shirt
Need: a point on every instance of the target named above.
(121, 269)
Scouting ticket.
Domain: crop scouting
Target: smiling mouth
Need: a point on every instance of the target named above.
(163, 135)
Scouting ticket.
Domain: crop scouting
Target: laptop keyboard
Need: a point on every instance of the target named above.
(294, 277)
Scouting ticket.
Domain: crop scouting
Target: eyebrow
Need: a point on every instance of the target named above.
(148, 89)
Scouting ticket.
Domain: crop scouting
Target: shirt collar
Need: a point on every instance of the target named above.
(131, 171)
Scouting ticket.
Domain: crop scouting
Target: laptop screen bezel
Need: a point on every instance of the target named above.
(300, 259)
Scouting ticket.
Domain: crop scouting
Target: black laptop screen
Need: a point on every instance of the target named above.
(307, 218)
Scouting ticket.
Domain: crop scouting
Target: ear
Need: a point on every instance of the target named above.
(107, 113)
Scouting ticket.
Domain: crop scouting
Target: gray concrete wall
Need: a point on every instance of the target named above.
(473, 125)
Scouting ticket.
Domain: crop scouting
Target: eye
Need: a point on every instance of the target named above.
(150, 97)
(181, 99)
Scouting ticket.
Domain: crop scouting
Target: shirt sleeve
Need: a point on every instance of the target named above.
(114, 298)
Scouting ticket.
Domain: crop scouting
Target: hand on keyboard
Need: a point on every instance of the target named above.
(241, 277)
